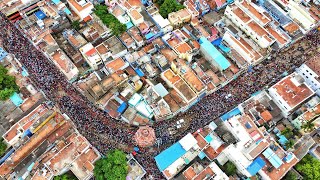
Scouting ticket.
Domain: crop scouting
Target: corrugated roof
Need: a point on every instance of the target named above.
(161, 90)
(256, 165)
(214, 53)
(272, 158)
(170, 155)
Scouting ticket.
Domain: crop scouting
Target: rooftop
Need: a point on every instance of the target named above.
(25, 122)
(254, 55)
(183, 48)
(30, 145)
(214, 53)
(63, 61)
(242, 15)
(80, 5)
(127, 39)
(260, 16)
(102, 49)
(259, 30)
(116, 65)
(117, 11)
(169, 54)
(279, 37)
(292, 90)
(135, 14)
(278, 173)
(291, 28)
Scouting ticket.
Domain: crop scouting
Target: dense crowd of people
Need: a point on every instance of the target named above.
(106, 133)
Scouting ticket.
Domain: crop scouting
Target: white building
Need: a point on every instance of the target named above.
(163, 23)
(310, 71)
(248, 25)
(242, 48)
(83, 8)
(301, 14)
(180, 153)
(91, 56)
(135, 16)
(62, 61)
(290, 92)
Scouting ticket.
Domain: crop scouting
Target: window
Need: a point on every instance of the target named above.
(303, 74)
(310, 74)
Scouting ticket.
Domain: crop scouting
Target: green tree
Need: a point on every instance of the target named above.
(288, 133)
(229, 168)
(75, 25)
(309, 126)
(309, 168)
(169, 6)
(3, 147)
(113, 167)
(65, 177)
(289, 144)
(290, 176)
(7, 84)
(109, 20)
(160, 2)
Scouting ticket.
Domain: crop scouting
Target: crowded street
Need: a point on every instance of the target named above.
(106, 133)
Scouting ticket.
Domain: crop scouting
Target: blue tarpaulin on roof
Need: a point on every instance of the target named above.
(5, 157)
(202, 155)
(67, 11)
(3, 54)
(288, 158)
(56, 1)
(31, 166)
(129, 25)
(215, 55)
(272, 158)
(256, 165)
(149, 35)
(16, 99)
(122, 107)
(248, 125)
(27, 133)
(228, 115)
(208, 138)
(40, 15)
(282, 139)
(216, 42)
(170, 155)
(224, 48)
(139, 72)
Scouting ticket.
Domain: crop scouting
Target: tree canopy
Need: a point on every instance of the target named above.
(289, 144)
(75, 25)
(307, 127)
(109, 20)
(7, 84)
(3, 147)
(169, 6)
(309, 167)
(160, 2)
(112, 167)
(229, 168)
(65, 177)
(287, 132)
(290, 176)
